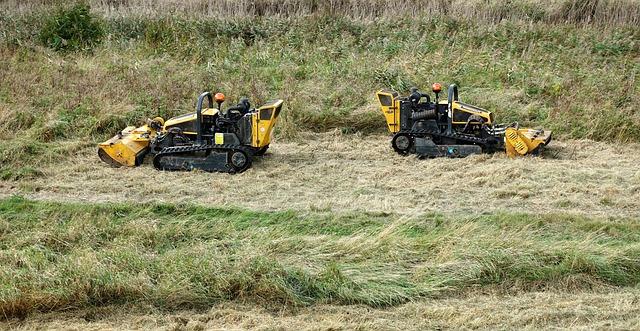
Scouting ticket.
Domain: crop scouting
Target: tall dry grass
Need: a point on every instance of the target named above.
(605, 12)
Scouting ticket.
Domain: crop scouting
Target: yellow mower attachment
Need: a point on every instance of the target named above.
(524, 141)
(130, 145)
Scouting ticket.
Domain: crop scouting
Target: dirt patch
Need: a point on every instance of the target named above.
(337, 172)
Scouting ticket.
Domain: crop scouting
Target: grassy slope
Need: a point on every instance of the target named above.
(571, 75)
(65, 255)
(579, 80)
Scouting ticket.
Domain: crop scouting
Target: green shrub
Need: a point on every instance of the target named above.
(72, 29)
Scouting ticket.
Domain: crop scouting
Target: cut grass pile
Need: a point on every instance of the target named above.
(66, 255)
(612, 308)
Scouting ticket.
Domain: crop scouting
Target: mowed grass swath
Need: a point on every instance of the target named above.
(58, 255)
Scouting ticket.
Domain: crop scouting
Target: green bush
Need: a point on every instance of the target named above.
(72, 29)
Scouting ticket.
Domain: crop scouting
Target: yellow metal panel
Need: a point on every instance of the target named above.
(189, 117)
(390, 107)
(514, 140)
(524, 140)
(219, 138)
(262, 128)
(461, 107)
(254, 130)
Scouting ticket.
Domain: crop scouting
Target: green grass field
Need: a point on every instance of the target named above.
(331, 226)
(57, 255)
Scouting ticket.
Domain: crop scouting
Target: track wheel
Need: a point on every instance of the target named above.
(402, 143)
(240, 161)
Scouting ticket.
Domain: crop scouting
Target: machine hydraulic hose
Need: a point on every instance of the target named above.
(428, 114)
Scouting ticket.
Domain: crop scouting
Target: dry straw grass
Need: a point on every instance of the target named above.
(617, 309)
(556, 11)
(344, 172)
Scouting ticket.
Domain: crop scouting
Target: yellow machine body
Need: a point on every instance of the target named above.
(263, 122)
(390, 107)
(187, 121)
(129, 147)
(463, 110)
(517, 141)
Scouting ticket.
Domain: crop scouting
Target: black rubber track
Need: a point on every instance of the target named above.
(188, 152)
(488, 144)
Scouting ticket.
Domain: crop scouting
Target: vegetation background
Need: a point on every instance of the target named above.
(570, 66)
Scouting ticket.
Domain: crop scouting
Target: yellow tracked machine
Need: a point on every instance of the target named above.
(208, 139)
(452, 128)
